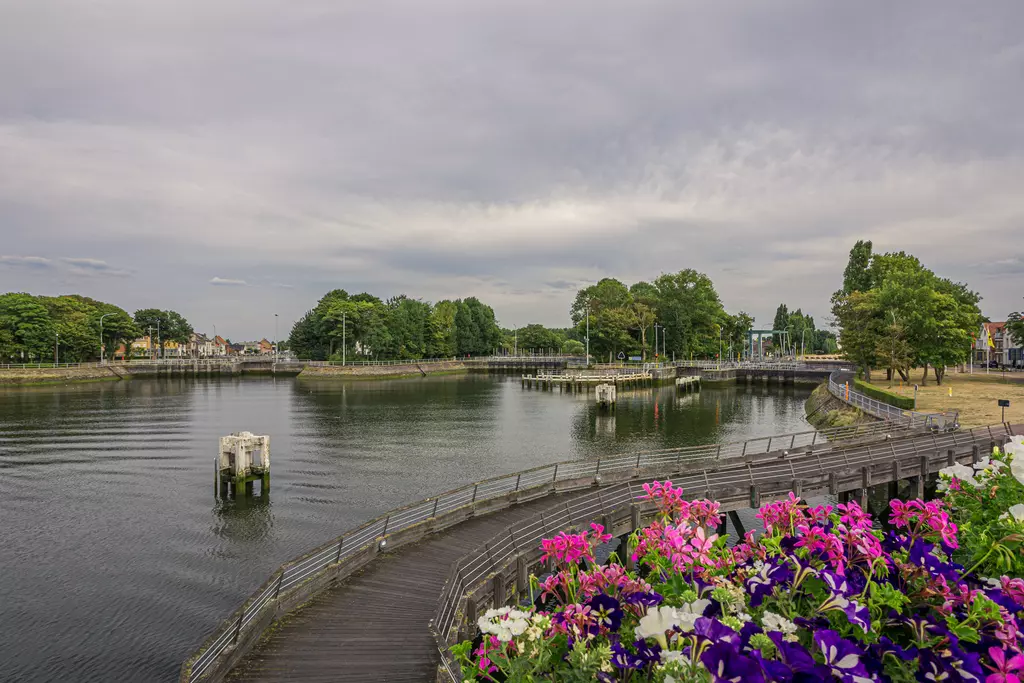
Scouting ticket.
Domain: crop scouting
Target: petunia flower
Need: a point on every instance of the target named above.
(841, 656)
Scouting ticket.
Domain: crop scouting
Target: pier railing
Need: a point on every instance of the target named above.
(840, 386)
(296, 581)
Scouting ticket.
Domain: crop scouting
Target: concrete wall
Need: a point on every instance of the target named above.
(410, 369)
(37, 376)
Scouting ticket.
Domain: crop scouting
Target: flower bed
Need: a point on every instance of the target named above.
(818, 595)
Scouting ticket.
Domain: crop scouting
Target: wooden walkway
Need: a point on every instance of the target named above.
(374, 626)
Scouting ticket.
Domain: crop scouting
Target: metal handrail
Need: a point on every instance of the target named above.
(302, 569)
(839, 386)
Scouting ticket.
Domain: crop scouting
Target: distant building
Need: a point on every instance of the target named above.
(995, 344)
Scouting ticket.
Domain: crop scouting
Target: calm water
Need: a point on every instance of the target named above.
(116, 560)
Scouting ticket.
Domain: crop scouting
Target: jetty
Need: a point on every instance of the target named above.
(583, 381)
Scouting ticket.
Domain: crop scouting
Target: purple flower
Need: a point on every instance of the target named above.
(644, 598)
(857, 614)
(727, 664)
(842, 657)
(716, 631)
(764, 581)
(793, 654)
(606, 611)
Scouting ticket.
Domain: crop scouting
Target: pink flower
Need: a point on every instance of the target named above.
(1005, 669)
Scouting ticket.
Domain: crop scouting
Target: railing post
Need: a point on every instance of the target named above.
(975, 454)
(337, 558)
(755, 497)
(387, 521)
(520, 476)
(238, 627)
(554, 477)
(475, 487)
(280, 580)
(433, 513)
(951, 457)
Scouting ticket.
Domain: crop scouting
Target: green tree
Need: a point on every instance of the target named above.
(573, 347)
(781, 322)
(691, 311)
(26, 329)
(443, 339)
(168, 326)
(856, 277)
(1015, 328)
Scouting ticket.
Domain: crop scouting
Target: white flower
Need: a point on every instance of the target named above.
(1015, 446)
(688, 614)
(1017, 465)
(992, 583)
(656, 622)
(963, 473)
(504, 622)
(671, 656)
(1017, 512)
(743, 617)
(776, 622)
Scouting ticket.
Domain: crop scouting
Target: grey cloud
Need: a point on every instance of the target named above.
(26, 261)
(94, 267)
(509, 150)
(228, 282)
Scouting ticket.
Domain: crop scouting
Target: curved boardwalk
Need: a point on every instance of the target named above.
(373, 626)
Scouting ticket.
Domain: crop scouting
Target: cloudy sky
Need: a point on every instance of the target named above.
(232, 159)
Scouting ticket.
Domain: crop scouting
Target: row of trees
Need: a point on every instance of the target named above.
(896, 314)
(800, 330)
(68, 328)
(682, 309)
(364, 326)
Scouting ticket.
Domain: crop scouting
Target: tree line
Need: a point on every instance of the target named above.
(68, 327)
(362, 326)
(682, 310)
(895, 314)
(801, 334)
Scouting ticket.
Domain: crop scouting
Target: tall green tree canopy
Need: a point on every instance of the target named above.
(681, 309)
(32, 326)
(907, 316)
(362, 326)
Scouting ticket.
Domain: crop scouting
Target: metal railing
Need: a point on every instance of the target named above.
(863, 465)
(839, 385)
(304, 568)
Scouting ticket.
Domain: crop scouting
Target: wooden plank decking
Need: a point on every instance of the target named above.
(373, 627)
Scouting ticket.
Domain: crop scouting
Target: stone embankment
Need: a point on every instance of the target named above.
(825, 410)
(411, 369)
(42, 376)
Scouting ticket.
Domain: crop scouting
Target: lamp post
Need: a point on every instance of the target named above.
(515, 342)
(56, 355)
(102, 348)
(656, 326)
(277, 344)
(344, 325)
(588, 336)
(802, 330)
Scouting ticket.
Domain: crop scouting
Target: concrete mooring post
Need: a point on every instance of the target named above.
(605, 395)
(242, 459)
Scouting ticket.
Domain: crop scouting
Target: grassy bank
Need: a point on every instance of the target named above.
(975, 396)
(823, 410)
(38, 377)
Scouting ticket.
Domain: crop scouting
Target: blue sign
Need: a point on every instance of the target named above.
(635, 358)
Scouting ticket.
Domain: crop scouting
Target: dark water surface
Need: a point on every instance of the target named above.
(116, 559)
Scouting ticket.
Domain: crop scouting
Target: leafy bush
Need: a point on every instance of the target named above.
(877, 393)
(818, 596)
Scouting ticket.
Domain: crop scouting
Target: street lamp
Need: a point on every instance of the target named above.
(277, 343)
(102, 348)
(587, 359)
(56, 355)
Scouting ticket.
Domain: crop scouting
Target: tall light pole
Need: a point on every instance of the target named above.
(159, 342)
(656, 338)
(277, 344)
(344, 324)
(56, 355)
(588, 336)
(102, 348)
(802, 330)
(515, 342)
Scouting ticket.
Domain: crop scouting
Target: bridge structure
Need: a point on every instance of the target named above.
(419, 574)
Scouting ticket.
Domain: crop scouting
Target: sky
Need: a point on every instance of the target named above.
(233, 159)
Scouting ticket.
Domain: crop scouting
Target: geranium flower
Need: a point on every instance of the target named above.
(1005, 670)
